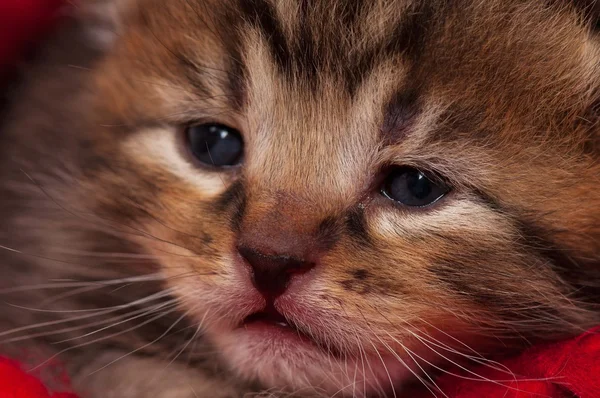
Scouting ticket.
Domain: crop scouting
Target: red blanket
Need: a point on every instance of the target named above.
(565, 369)
(16, 383)
(562, 370)
(21, 24)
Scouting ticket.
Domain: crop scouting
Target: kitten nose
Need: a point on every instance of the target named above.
(272, 273)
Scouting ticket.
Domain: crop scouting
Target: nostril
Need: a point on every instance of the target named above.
(271, 273)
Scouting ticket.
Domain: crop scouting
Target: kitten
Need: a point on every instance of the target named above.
(319, 197)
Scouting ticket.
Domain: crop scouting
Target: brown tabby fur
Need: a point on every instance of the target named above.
(500, 97)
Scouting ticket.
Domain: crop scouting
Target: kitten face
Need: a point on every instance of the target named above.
(493, 100)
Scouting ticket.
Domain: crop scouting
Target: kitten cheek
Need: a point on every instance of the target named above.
(160, 147)
(462, 214)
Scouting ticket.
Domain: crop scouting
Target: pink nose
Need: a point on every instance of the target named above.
(271, 274)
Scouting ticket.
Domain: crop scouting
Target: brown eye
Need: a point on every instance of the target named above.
(215, 144)
(412, 187)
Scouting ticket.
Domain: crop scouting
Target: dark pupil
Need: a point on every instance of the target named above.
(418, 185)
(215, 144)
(411, 187)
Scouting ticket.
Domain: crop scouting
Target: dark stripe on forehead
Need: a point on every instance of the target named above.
(193, 74)
(232, 39)
(326, 41)
(262, 15)
(306, 55)
(412, 32)
(300, 56)
(408, 38)
(400, 115)
(236, 74)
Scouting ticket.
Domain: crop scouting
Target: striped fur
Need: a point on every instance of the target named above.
(499, 97)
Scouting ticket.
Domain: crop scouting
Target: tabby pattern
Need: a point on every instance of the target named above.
(129, 259)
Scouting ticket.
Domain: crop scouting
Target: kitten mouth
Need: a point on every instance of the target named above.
(270, 319)
(269, 316)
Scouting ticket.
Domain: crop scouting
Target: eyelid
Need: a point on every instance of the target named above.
(398, 204)
(430, 172)
(437, 178)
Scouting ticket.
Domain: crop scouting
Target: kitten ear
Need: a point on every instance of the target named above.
(102, 20)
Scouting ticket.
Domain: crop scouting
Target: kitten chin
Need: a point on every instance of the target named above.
(334, 197)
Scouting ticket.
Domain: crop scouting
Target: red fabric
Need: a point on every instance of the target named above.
(16, 383)
(566, 369)
(21, 24)
(549, 371)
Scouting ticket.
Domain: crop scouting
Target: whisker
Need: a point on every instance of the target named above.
(198, 328)
(109, 282)
(170, 304)
(73, 319)
(140, 232)
(75, 292)
(477, 377)
(395, 354)
(363, 351)
(102, 338)
(99, 309)
(145, 311)
(10, 249)
(479, 359)
(384, 367)
(145, 345)
(409, 353)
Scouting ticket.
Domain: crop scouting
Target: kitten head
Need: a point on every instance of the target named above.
(343, 192)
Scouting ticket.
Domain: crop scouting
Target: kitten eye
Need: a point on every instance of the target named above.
(412, 187)
(215, 144)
